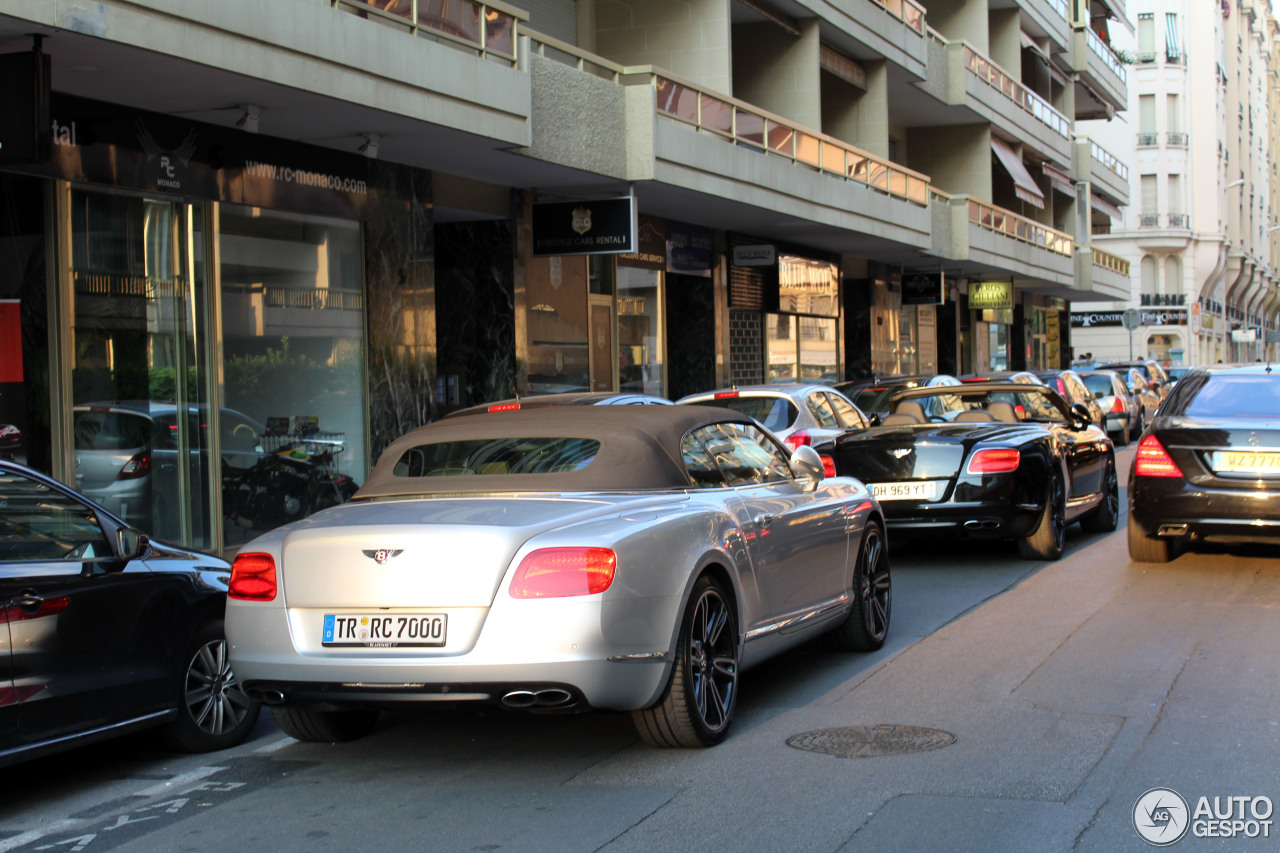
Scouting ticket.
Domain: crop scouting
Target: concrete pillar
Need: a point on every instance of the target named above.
(956, 157)
(689, 38)
(779, 71)
(855, 116)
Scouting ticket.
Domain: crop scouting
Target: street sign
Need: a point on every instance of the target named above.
(1131, 318)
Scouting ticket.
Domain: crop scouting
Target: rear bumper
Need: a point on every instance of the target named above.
(979, 520)
(1177, 510)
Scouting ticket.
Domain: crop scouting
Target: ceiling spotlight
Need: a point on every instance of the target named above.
(248, 120)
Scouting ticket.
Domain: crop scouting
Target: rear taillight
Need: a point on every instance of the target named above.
(726, 395)
(1117, 406)
(1062, 388)
(995, 460)
(253, 578)
(564, 572)
(504, 407)
(1154, 461)
(800, 438)
(138, 466)
(828, 466)
(1019, 411)
(977, 379)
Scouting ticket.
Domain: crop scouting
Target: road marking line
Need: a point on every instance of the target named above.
(173, 785)
(36, 834)
(276, 745)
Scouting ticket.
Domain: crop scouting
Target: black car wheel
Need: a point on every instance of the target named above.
(214, 712)
(316, 726)
(1147, 549)
(867, 625)
(1104, 518)
(1049, 538)
(698, 705)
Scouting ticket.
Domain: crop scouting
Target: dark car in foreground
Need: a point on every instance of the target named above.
(1005, 461)
(630, 558)
(1208, 469)
(108, 632)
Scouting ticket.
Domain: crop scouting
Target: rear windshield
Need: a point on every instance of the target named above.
(873, 399)
(1098, 384)
(774, 412)
(497, 456)
(1254, 396)
(106, 430)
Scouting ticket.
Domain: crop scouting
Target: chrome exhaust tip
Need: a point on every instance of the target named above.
(267, 696)
(520, 699)
(1172, 530)
(553, 697)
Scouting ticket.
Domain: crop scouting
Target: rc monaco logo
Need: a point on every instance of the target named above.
(1162, 817)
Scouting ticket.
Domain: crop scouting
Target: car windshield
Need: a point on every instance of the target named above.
(776, 413)
(1098, 384)
(1027, 406)
(1249, 396)
(873, 399)
(497, 456)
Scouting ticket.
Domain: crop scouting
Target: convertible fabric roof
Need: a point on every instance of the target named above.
(639, 449)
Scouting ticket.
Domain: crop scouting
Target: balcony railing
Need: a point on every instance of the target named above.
(1163, 299)
(1148, 220)
(1111, 161)
(551, 48)
(1179, 220)
(1175, 58)
(1176, 139)
(490, 28)
(1148, 140)
(1146, 57)
(909, 12)
(1106, 54)
(1108, 261)
(996, 77)
(1060, 6)
(751, 127)
(1019, 227)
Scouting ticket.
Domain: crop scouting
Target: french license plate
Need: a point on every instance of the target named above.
(1246, 462)
(925, 490)
(384, 629)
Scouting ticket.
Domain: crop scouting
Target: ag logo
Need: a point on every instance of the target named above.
(1161, 816)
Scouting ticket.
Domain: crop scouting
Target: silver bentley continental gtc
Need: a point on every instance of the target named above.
(563, 558)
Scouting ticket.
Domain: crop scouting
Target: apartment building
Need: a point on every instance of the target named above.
(1201, 234)
(345, 218)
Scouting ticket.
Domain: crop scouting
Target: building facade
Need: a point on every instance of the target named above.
(241, 225)
(1201, 234)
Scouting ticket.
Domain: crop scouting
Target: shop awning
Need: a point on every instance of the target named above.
(1171, 37)
(1029, 44)
(1060, 180)
(1023, 184)
(1103, 206)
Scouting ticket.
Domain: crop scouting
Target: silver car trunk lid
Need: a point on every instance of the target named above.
(442, 552)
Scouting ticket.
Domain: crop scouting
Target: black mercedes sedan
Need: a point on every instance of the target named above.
(1208, 469)
(106, 630)
(993, 460)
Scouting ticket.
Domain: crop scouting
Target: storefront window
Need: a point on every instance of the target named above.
(293, 426)
(640, 336)
(559, 359)
(801, 340)
(139, 375)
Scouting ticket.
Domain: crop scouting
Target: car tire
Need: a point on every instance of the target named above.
(1105, 517)
(867, 624)
(1125, 436)
(1147, 549)
(1048, 540)
(697, 706)
(214, 712)
(314, 726)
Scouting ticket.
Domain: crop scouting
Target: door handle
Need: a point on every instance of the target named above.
(28, 601)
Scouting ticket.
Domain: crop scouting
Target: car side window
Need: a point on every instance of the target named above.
(744, 454)
(821, 410)
(699, 462)
(847, 413)
(40, 523)
(1078, 392)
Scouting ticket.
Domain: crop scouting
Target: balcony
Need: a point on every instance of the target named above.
(1149, 220)
(908, 12)
(1102, 273)
(1100, 68)
(457, 23)
(1052, 16)
(1179, 220)
(988, 240)
(1175, 139)
(892, 29)
(1103, 169)
(1148, 140)
(1108, 261)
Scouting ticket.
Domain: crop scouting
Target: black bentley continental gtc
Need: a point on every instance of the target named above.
(995, 460)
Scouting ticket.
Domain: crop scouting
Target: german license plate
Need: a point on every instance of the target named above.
(384, 629)
(1246, 461)
(925, 490)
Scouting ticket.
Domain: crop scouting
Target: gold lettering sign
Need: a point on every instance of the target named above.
(986, 295)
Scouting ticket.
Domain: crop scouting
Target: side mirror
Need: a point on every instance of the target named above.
(1080, 416)
(806, 467)
(131, 543)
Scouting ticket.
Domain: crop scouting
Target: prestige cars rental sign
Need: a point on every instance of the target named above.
(598, 227)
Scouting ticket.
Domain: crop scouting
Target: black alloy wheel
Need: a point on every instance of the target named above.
(214, 712)
(867, 624)
(1105, 517)
(698, 705)
(1048, 540)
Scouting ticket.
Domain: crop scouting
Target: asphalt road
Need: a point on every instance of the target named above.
(1071, 689)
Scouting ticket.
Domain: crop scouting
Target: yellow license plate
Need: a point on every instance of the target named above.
(1246, 462)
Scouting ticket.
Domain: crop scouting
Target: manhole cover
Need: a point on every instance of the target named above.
(863, 741)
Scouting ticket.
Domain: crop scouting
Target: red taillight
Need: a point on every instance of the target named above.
(138, 466)
(976, 379)
(1154, 461)
(1062, 388)
(995, 460)
(562, 572)
(504, 407)
(828, 466)
(726, 395)
(1117, 407)
(253, 578)
(1019, 411)
(798, 439)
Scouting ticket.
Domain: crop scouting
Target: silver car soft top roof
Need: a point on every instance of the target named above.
(639, 449)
